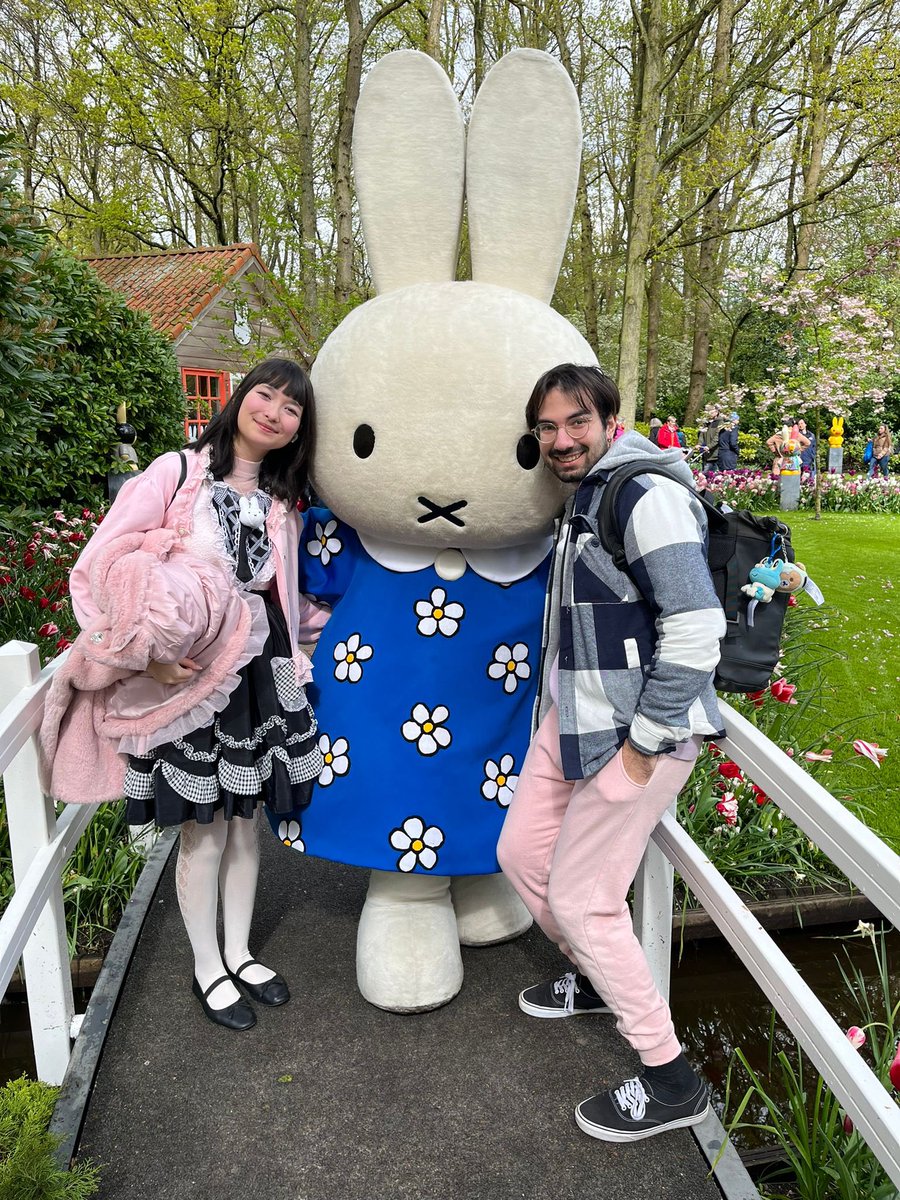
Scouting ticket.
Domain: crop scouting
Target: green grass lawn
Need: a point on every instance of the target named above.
(855, 636)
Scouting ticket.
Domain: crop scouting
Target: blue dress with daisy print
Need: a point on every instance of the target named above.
(423, 691)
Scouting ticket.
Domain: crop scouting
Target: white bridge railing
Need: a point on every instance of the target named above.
(32, 928)
(852, 846)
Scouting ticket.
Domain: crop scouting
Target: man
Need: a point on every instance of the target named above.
(625, 698)
(807, 452)
(709, 439)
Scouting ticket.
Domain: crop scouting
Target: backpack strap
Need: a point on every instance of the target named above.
(182, 475)
(608, 521)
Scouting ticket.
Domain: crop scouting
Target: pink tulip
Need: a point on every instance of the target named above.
(856, 1037)
(783, 691)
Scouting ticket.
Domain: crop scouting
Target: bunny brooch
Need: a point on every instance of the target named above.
(433, 549)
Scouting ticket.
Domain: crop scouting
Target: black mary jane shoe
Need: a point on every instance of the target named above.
(237, 1016)
(272, 993)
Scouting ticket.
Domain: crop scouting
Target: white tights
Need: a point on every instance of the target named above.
(222, 857)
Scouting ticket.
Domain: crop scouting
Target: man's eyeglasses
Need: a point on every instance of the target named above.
(546, 431)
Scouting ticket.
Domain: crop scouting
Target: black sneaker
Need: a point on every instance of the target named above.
(563, 997)
(631, 1112)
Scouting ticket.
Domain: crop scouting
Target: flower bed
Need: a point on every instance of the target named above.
(34, 580)
(759, 491)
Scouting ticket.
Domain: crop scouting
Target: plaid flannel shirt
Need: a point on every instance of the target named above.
(636, 653)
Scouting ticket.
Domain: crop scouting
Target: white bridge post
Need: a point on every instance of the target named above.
(654, 893)
(32, 824)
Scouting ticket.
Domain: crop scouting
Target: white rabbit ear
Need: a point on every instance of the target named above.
(522, 164)
(409, 150)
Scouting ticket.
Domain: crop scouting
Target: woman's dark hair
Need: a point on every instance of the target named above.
(282, 472)
(588, 386)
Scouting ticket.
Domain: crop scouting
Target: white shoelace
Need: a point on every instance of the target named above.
(632, 1098)
(566, 986)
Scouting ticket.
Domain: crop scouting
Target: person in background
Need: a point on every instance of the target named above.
(808, 453)
(668, 438)
(655, 426)
(709, 439)
(728, 444)
(882, 449)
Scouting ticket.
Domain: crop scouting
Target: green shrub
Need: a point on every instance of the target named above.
(28, 1168)
(71, 351)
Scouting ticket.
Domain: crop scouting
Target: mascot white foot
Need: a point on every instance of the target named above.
(407, 947)
(433, 549)
(487, 910)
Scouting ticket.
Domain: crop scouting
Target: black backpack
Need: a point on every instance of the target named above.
(738, 540)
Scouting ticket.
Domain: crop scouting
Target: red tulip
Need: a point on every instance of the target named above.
(729, 769)
(760, 795)
(63, 644)
(792, 601)
(48, 629)
(848, 1124)
(894, 1071)
(758, 698)
(27, 593)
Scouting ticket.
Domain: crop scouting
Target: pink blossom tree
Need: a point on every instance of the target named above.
(837, 350)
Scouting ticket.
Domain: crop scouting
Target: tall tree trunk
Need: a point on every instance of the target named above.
(821, 55)
(588, 262)
(643, 199)
(305, 153)
(478, 7)
(711, 222)
(433, 35)
(654, 312)
(343, 196)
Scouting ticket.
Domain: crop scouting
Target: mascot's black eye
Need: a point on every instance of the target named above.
(527, 452)
(364, 441)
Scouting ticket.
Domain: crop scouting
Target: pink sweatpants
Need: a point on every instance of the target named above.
(571, 850)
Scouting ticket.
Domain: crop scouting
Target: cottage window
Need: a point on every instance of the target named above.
(205, 393)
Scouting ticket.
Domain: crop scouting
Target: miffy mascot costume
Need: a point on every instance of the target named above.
(433, 549)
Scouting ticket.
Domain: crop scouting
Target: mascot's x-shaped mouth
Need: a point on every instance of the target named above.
(437, 510)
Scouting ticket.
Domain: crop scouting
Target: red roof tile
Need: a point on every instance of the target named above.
(173, 286)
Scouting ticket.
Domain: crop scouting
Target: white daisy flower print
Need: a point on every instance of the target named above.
(325, 545)
(510, 665)
(418, 843)
(426, 728)
(335, 757)
(436, 615)
(289, 833)
(499, 780)
(350, 656)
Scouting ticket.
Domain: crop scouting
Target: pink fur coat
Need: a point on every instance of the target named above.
(158, 602)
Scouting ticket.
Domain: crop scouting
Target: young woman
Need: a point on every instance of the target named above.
(882, 449)
(231, 497)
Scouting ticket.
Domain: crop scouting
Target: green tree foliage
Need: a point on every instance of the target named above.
(71, 351)
(28, 339)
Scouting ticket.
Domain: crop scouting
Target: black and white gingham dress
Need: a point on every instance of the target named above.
(262, 746)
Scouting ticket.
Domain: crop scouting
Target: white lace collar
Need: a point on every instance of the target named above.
(504, 565)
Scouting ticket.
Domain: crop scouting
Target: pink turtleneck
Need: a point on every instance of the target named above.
(244, 477)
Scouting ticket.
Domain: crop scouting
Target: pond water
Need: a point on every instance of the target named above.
(717, 1007)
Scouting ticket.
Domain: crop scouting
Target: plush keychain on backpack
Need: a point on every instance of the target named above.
(775, 575)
